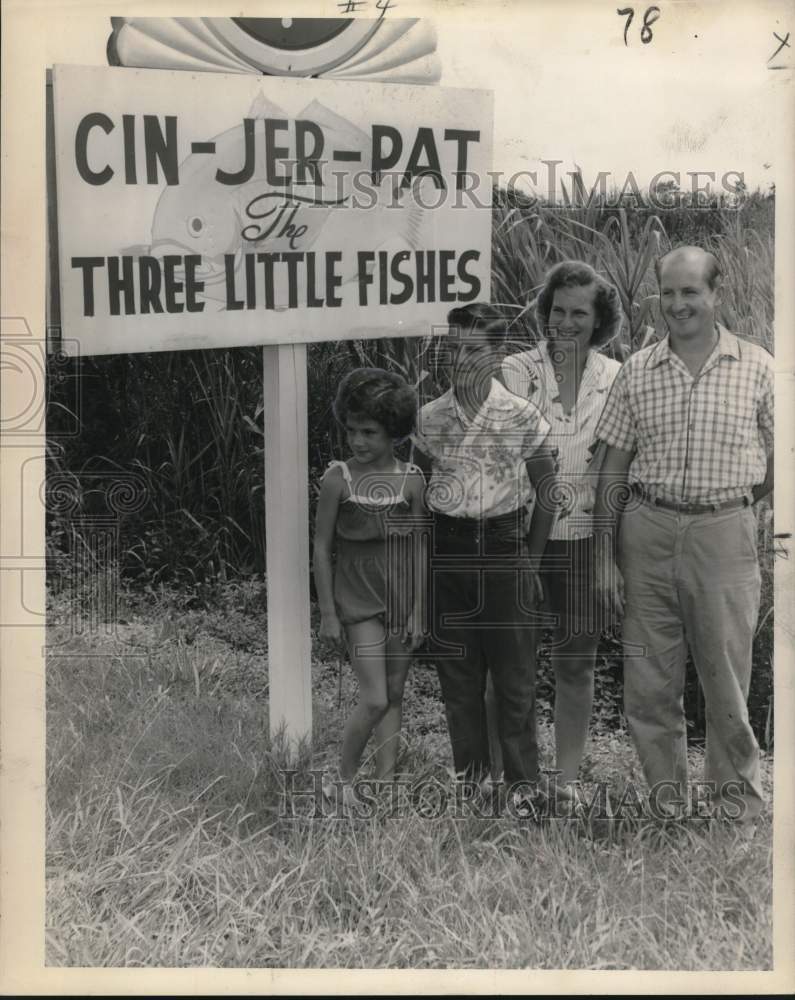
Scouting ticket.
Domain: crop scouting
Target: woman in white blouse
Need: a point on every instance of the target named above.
(568, 378)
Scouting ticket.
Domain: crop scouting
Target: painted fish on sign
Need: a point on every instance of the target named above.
(338, 207)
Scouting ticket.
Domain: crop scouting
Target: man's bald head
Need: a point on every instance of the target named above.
(706, 261)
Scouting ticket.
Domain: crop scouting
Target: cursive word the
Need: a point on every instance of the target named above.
(280, 210)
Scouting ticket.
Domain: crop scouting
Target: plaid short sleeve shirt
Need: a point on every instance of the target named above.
(478, 466)
(699, 439)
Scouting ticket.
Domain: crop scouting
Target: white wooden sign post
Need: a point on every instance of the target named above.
(201, 210)
(287, 539)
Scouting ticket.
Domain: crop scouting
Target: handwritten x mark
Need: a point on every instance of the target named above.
(784, 44)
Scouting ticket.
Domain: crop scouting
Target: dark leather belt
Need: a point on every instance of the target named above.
(473, 525)
(691, 508)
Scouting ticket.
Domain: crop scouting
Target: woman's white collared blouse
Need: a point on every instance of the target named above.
(532, 376)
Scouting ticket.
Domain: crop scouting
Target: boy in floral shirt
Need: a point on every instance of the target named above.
(483, 449)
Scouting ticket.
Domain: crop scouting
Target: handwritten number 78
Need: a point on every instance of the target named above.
(651, 15)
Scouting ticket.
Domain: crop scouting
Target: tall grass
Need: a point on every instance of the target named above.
(184, 425)
(168, 842)
(622, 245)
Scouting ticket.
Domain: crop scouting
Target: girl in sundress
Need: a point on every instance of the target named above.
(370, 594)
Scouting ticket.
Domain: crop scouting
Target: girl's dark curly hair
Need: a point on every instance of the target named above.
(380, 395)
(575, 274)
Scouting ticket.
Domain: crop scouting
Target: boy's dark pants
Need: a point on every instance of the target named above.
(484, 620)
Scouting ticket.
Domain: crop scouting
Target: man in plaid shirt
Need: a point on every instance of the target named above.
(689, 430)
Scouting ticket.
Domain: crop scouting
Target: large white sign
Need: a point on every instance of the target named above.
(210, 210)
